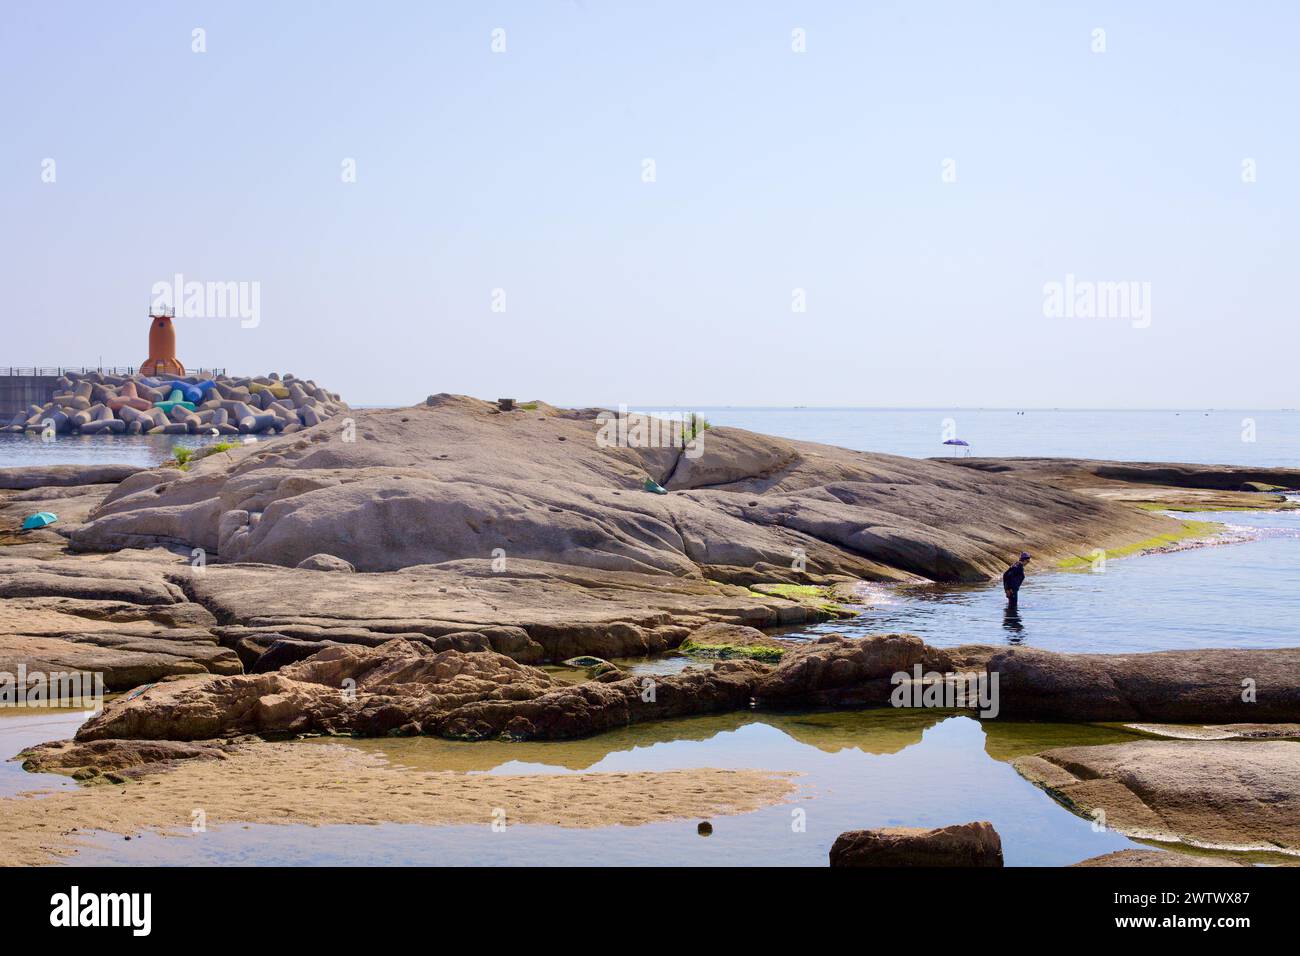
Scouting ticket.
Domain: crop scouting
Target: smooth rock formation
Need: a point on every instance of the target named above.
(1181, 487)
(966, 844)
(460, 479)
(58, 476)
(1178, 475)
(1194, 686)
(543, 611)
(131, 634)
(1238, 795)
(162, 615)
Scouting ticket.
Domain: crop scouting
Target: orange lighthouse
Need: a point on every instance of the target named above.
(162, 345)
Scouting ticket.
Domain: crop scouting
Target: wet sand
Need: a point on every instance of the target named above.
(336, 784)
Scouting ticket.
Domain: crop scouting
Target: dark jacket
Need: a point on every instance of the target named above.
(1014, 576)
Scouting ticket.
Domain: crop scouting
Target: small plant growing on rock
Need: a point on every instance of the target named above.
(187, 456)
(692, 426)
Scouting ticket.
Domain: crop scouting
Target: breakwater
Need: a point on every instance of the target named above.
(107, 402)
(23, 386)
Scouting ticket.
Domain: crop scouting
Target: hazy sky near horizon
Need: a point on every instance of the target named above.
(524, 171)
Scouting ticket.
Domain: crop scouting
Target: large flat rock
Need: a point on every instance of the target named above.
(1176, 486)
(966, 844)
(565, 608)
(137, 616)
(121, 618)
(1192, 686)
(1176, 474)
(1236, 795)
(128, 643)
(46, 476)
(456, 479)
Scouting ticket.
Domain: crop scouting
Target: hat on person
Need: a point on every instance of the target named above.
(1024, 555)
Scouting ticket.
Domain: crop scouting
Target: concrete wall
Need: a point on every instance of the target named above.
(19, 391)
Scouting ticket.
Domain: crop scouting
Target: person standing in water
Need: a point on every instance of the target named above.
(1014, 576)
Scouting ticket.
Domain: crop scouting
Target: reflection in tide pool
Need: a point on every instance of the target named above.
(861, 769)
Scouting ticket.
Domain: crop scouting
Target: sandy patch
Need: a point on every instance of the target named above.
(332, 784)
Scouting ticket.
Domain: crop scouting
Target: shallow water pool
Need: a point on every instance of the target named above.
(860, 769)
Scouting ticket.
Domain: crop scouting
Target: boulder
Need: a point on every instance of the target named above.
(724, 641)
(837, 671)
(966, 844)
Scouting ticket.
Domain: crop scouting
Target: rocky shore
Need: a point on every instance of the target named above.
(1236, 793)
(409, 573)
(1176, 487)
(458, 479)
(408, 687)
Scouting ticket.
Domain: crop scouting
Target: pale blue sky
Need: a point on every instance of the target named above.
(775, 171)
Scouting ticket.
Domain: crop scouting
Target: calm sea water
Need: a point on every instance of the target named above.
(1260, 438)
(1245, 594)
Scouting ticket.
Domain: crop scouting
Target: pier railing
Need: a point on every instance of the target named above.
(13, 371)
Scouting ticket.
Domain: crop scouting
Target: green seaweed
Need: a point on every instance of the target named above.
(794, 592)
(809, 595)
(1190, 529)
(754, 652)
